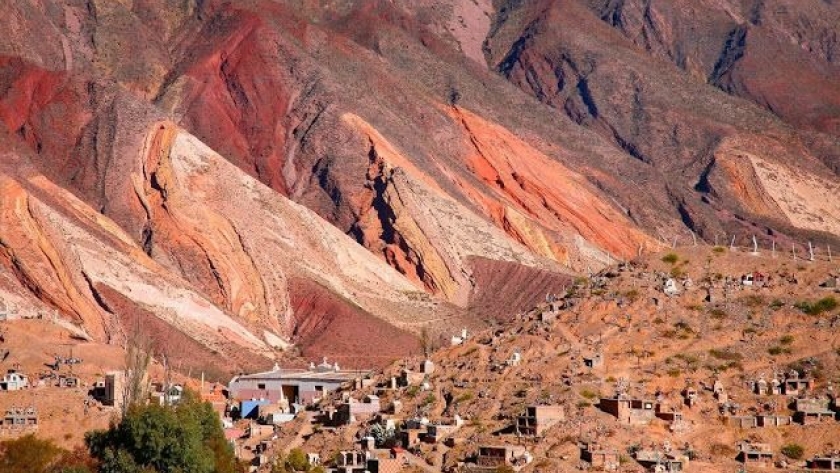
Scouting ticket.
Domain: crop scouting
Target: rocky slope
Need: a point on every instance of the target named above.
(479, 152)
(653, 346)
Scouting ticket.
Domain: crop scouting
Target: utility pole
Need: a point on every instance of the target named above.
(755, 246)
(811, 251)
(732, 244)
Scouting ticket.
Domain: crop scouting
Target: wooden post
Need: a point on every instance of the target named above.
(811, 251)
(732, 244)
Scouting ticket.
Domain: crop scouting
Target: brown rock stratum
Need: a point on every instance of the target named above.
(247, 175)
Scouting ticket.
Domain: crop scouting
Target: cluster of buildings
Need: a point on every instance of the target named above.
(19, 421)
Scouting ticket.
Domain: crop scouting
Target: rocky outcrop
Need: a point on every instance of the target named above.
(74, 260)
(601, 64)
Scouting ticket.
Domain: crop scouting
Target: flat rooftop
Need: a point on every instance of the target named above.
(303, 375)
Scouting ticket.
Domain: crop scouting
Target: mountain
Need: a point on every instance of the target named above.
(338, 175)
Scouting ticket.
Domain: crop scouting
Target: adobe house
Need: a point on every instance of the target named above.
(671, 288)
(515, 358)
(114, 382)
(719, 391)
(761, 387)
(674, 418)
(772, 420)
(593, 360)
(353, 410)
(495, 456)
(755, 454)
(351, 461)
(410, 378)
(537, 419)
(459, 340)
(427, 367)
(629, 411)
(657, 461)
(67, 381)
(813, 411)
(599, 457)
(741, 422)
(410, 437)
(794, 385)
(18, 419)
(548, 316)
(14, 381)
(387, 461)
(298, 385)
(437, 432)
(824, 463)
(690, 396)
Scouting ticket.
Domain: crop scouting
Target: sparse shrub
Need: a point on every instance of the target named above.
(632, 295)
(583, 404)
(588, 394)
(777, 304)
(658, 321)
(777, 350)
(719, 249)
(726, 355)
(722, 450)
(826, 304)
(684, 326)
(786, 340)
(674, 372)
(670, 258)
(430, 399)
(794, 451)
(717, 314)
(677, 272)
(753, 300)
(412, 391)
(464, 397)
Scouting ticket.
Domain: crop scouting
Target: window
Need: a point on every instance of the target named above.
(261, 386)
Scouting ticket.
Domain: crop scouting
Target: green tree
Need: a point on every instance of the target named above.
(794, 451)
(295, 461)
(187, 438)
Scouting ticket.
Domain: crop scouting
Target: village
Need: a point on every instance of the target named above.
(695, 360)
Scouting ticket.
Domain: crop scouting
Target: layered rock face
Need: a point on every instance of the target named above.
(262, 173)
